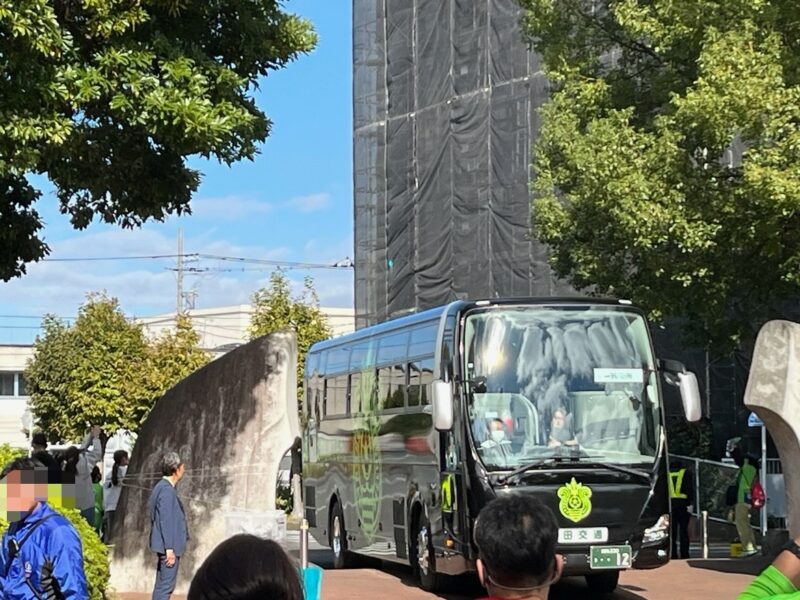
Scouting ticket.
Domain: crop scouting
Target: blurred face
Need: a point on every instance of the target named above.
(23, 493)
(558, 419)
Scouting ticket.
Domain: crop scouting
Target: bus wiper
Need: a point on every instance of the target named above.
(620, 468)
(502, 479)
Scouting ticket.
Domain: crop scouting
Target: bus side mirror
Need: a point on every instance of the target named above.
(442, 405)
(690, 395)
(676, 374)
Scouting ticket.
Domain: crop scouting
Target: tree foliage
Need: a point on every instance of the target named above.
(103, 370)
(276, 309)
(667, 166)
(108, 98)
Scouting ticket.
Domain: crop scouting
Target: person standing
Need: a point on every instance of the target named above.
(681, 491)
(744, 482)
(40, 454)
(97, 488)
(112, 491)
(169, 532)
(41, 554)
(78, 465)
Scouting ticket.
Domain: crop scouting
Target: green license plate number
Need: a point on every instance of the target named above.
(610, 557)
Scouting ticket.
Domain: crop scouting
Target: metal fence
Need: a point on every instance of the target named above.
(711, 481)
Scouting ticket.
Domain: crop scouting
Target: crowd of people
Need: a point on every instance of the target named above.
(41, 554)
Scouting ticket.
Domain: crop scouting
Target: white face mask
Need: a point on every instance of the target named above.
(498, 435)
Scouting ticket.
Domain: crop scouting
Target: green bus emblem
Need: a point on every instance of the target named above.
(575, 504)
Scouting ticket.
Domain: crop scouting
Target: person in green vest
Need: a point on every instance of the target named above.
(748, 473)
(681, 492)
(97, 487)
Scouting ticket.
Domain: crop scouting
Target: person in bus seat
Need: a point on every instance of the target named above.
(561, 429)
(497, 434)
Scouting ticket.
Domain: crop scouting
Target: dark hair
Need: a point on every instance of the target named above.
(118, 456)
(516, 538)
(22, 463)
(39, 439)
(69, 460)
(246, 567)
(96, 476)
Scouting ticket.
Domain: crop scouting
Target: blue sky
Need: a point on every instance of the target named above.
(293, 203)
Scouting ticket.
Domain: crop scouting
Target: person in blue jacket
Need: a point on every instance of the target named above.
(168, 533)
(41, 554)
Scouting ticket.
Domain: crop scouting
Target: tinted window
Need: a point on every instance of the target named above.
(363, 355)
(6, 384)
(384, 386)
(396, 396)
(355, 393)
(23, 385)
(312, 362)
(393, 348)
(336, 396)
(423, 340)
(426, 379)
(338, 360)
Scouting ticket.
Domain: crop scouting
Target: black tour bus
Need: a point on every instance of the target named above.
(413, 425)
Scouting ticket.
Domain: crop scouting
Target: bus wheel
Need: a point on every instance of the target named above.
(602, 583)
(338, 537)
(423, 558)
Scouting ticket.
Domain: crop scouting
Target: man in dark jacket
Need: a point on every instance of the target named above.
(40, 454)
(41, 554)
(169, 533)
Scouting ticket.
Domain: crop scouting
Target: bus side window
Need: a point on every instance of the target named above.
(448, 343)
(325, 392)
(396, 397)
(426, 379)
(353, 395)
(413, 384)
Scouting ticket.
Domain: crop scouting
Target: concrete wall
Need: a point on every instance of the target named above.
(773, 393)
(231, 422)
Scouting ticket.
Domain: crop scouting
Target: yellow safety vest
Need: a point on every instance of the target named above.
(675, 484)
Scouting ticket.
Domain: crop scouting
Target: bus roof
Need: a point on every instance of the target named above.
(436, 313)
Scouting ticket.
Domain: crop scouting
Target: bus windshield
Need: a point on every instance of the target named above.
(546, 381)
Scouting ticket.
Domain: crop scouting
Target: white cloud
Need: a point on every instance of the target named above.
(228, 208)
(310, 203)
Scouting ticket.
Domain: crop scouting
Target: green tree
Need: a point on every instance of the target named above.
(667, 165)
(103, 371)
(175, 355)
(109, 98)
(276, 309)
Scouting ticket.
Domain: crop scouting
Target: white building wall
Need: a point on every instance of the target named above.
(13, 360)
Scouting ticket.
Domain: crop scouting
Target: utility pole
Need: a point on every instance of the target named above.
(179, 271)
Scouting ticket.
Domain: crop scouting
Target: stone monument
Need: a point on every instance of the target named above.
(231, 422)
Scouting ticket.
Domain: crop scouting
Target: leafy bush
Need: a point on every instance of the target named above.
(8, 453)
(689, 439)
(95, 553)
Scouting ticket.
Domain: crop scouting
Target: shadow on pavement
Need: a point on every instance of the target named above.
(467, 587)
(747, 566)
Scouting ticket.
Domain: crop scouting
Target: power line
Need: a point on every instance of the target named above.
(345, 263)
(115, 258)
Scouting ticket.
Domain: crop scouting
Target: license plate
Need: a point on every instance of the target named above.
(610, 557)
(583, 535)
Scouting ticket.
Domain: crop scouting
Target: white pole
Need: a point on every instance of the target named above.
(705, 533)
(764, 479)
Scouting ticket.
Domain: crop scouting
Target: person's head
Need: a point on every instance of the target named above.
(559, 417)
(96, 476)
(39, 442)
(172, 466)
(25, 483)
(120, 460)
(497, 430)
(69, 460)
(516, 539)
(246, 567)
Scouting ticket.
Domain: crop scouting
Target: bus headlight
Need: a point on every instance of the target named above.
(657, 532)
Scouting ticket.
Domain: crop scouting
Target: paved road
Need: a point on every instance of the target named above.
(712, 579)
